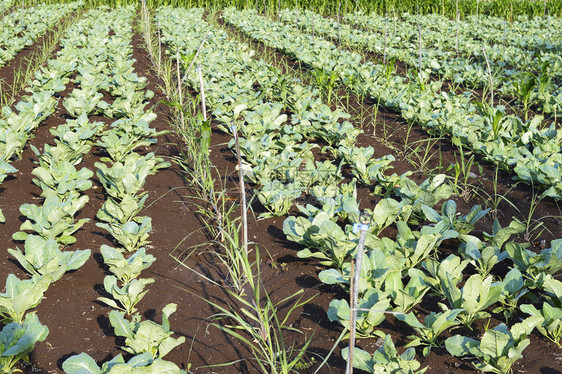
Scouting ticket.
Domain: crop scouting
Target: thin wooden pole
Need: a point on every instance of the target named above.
(354, 291)
(179, 84)
(420, 41)
(203, 103)
(385, 30)
(490, 76)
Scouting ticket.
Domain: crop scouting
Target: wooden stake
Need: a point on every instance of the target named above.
(312, 21)
(490, 76)
(477, 4)
(420, 40)
(503, 41)
(242, 192)
(394, 15)
(339, 24)
(202, 87)
(159, 50)
(194, 58)
(179, 84)
(457, 38)
(354, 290)
(385, 29)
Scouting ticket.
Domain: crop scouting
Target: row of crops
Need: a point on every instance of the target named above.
(516, 72)
(537, 34)
(282, 128)
(529, 148)
(21, 27)
(95, 58)
(281, 122)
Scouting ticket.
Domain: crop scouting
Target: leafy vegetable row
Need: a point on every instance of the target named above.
(515, 37)
(21, 27)
(530, 34)
(51, 224)
(516, 73)
(244, 94)
(532, 151)
(110, 70)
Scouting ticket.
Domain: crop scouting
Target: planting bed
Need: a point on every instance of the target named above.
(79, 323)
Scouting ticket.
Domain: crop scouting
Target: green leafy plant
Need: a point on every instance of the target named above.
(451, 267)
(385, 360)
(363, 166)
(139, 364)
(462, 224)
(82, 101)
(21, 295)
(473, 298)
(277, 197)
(18, 340)
(131, 235)
(376, 266)
(126, 269)
(127, 296)
(536, 266)
(54, 219)
(551, 325)
(146, 336)
(319, 233)
(485, 255)
(128, 177)
(43, 257)
(125, 136)
(553, 289)
(406, 296)
(513, 289)
(371, 308)
(5, 169)
(429, 192)
(79, 131)
(71, 152)
(415, 246)
(499, 348)
(61, 178)
(428, 332)
(121, 211)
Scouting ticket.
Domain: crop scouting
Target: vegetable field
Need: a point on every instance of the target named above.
(281, 187)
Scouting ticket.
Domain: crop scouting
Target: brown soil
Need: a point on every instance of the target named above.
(79, 323)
